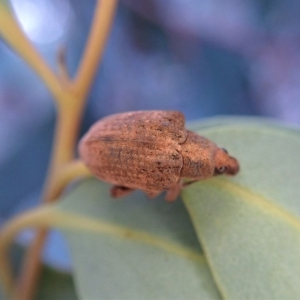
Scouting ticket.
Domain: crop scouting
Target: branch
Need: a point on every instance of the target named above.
(15, 37)
(102, 22)
(71, 103)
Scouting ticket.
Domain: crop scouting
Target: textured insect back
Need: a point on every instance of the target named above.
(149, 151)
(198, 157)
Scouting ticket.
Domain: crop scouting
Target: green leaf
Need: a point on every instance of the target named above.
(133, 248)
(55, 285)
(249, 225)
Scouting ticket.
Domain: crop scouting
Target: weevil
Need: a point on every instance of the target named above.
(151, 151)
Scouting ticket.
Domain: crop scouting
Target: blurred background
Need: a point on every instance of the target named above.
(203, 57)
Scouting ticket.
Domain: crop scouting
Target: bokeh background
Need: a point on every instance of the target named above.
(203, 57)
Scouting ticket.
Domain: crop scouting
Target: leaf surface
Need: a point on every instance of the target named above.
(249, 225)
(133, 248)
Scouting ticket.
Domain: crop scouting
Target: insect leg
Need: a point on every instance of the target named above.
(152, 194)
(174, 192)
(120, 191)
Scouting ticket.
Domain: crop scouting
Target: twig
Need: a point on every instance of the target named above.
(70, 103)
(62, 66)
(15, 37)
(105, 11)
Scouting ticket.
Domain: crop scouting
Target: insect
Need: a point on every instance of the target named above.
(151, 151)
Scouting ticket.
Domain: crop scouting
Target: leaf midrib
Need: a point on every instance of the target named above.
(255, 198)
(51, 216)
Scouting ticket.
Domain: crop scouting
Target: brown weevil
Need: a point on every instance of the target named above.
(151, 151)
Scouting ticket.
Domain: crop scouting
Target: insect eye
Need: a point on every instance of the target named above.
(225, 150)
(222, 169)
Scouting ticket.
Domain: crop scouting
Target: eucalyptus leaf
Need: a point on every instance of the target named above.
(249, 225)
(134, 248)
(55, 285)
(52, 284)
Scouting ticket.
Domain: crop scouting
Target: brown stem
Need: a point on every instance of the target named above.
(12, 33)
(102, 22)
(28, 281)
(70, 109)
(62, 66)
(31, 267)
